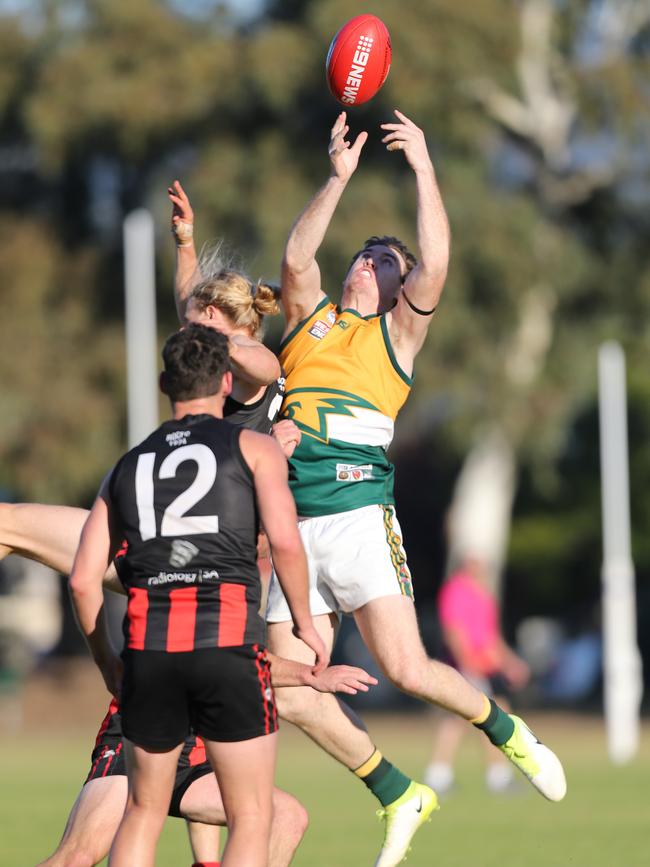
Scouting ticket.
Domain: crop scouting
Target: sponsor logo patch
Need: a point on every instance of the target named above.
(199, 577)
(182, 553)
(178, 437)
(319, 329)
(352, 473)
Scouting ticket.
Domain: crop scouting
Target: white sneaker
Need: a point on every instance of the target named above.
(403, 818)
(535, 761)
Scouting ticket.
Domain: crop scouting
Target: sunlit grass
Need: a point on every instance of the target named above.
(603, 822)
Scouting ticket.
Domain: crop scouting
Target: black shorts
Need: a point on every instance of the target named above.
(184, 779)
(221, 693)
(107, 760)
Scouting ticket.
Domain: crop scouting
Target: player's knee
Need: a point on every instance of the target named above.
(296, 704)
(290, 815)
(247, 819)
(405, 675)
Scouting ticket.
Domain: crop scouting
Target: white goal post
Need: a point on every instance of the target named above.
(622, 662)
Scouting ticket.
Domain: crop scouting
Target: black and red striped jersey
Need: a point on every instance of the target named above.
(184, 502)
(261, 415)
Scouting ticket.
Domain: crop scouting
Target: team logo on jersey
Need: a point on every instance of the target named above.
(182, 553)
(350, 473)
(343, 324)
(311, 412)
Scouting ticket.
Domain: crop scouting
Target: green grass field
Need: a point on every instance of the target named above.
(603, 822)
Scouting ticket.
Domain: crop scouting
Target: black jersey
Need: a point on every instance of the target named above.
(184, 501)
(260, 415)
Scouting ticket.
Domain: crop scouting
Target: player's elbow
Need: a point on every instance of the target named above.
(434, 276)
(75, 585)
(274, 371)
(78, 585)
(285, 547)
(295, 262)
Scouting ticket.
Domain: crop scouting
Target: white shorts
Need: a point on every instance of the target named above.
(353, 557)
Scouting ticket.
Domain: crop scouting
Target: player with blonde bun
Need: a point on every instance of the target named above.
(209, 292)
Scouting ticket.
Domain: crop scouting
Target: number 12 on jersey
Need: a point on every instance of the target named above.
(175, 521)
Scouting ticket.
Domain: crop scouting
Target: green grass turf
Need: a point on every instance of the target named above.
(603, 822)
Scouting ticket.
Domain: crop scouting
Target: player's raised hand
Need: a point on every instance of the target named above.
(182, 215)
(310, 636)
(409, 138)
(342, 678)
(344, 157)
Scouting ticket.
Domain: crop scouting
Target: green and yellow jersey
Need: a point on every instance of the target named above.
(344, 389)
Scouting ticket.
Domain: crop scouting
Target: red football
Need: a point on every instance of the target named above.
(358, 60)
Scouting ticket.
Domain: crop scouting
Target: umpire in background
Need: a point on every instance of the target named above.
(185, 502)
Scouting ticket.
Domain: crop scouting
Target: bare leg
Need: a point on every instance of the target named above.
(92, 824)
(390, 630)
(202, 803)
(290, 820)
(151, 781)
(204, 839)
(326, 720)
(336, 729)
(47, 534)
(245, 772)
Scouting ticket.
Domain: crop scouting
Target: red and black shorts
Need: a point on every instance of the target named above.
(107, 760)
(221, 693)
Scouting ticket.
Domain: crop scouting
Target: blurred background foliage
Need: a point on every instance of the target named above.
(536, 113)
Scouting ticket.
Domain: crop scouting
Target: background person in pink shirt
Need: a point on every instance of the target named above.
(469, 617)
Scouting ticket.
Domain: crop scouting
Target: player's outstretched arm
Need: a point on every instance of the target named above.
(408, 323)
(278, 516)
(187, 264)
(95, 552)
(334, 678)
(301, 282)
(252, 361)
